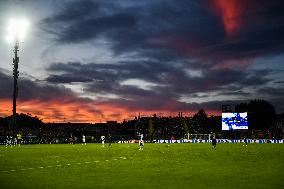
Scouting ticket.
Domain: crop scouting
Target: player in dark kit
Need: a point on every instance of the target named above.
(245, 141)
(110, 140)
(214, 143)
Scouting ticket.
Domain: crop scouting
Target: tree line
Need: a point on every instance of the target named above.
(261, 117)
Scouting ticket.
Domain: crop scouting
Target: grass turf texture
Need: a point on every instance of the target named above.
(157, 166)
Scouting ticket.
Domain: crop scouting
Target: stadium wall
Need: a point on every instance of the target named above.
(221, 141)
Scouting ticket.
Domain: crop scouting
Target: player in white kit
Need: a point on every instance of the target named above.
(103, 140)
(9, 140)
(84, 139)
(141, 142)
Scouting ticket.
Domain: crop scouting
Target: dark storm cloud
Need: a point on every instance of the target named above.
(276, 91)
(113, 72)
(166, 104)
(85, 20)
(275, 95)
(171, 36)
(5, 83)
(134, 28)
(170, 82)
(66, 78)
(74, 33)
(188, 28)
(31, 90)
(75, 10)
(256, 78)
(234, 93)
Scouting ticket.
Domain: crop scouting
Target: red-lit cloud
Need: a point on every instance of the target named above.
(231, 12)
(233, 64)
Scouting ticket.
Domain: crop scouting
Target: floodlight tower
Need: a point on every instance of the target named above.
(15, 75)
(16, 32)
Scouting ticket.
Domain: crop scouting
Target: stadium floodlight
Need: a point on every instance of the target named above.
(17, 30)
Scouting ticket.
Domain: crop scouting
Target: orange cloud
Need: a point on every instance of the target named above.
(58, 111)
(75, 111)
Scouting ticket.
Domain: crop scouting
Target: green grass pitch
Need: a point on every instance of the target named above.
(157, 166)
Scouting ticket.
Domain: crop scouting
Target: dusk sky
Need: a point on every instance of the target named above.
(98, 60)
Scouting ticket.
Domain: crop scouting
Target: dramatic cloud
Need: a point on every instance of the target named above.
(231, 12)
(214, 30)
(110, 60)
(49, 102)
(155, 86)
(84, 20)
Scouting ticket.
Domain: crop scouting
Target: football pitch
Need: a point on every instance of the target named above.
(157, 166)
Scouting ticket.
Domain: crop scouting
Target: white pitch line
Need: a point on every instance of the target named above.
(50, 166)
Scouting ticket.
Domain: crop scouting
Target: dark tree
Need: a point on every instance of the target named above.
(200, 120)
(23, 121)
(277, 128)
(242, 107)
(261, 113)
(215, 123)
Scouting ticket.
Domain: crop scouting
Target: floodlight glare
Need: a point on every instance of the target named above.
(17, 29)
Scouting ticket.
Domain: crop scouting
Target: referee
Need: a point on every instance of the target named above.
(19, 139)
